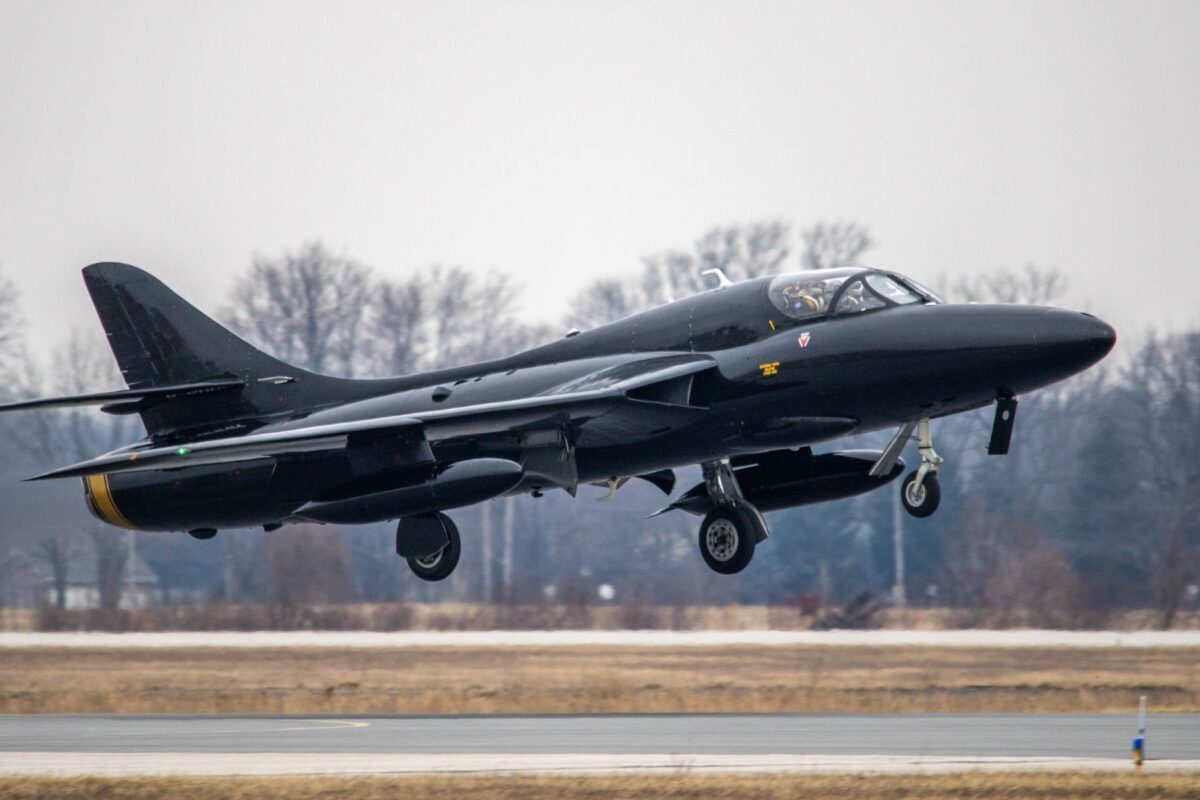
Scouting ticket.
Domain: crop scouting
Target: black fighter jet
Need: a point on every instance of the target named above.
(741, 379)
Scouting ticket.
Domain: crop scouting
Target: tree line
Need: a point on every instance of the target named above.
(1094, 510)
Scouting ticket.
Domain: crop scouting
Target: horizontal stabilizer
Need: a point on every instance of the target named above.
(128, 400)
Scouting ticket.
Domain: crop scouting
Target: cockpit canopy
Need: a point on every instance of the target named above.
(834, 292)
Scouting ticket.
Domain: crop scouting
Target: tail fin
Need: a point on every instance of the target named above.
(159, 339)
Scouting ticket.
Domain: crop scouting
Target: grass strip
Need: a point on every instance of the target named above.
(1056, 786)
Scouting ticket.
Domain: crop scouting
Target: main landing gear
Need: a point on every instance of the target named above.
(920, 492)
(730, 532)
(431, 545)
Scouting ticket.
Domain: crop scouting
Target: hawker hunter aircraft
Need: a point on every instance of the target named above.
(741, 380)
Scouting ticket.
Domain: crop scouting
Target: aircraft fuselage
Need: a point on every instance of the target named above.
(775, 383)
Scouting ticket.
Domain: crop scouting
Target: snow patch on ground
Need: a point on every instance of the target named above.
(640, 638)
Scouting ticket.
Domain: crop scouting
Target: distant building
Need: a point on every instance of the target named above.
(20, 581)
(140, 585)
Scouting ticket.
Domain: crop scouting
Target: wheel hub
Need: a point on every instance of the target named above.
(430, 561)
(915, 494)
(721, 539)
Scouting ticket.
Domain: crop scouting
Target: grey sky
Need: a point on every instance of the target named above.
(559, 141)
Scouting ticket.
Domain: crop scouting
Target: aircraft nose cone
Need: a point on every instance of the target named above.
(1077, 340)
(1099, 335)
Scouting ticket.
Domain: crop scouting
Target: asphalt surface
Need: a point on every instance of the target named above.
(1170, 736)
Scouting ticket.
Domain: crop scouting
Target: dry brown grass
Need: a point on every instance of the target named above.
(596, 680)
(499, 616)
(1051, 786)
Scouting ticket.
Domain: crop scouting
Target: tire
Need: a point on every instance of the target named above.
(923, 502)
(438, 566)
(727, 538)
(203, 534)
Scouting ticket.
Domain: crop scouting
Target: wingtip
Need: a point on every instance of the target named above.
(73, 471)
(111, 271)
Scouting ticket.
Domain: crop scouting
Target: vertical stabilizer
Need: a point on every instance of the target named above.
(159, 339)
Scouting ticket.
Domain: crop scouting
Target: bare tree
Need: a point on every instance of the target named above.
(323, 312)
(11, 324)
(15, 368)
(487, 555)
(58, 551)
(306, 307)
(668, 276)
(745, 251)
(1032, 285)
(306, 564)
(81, 364)
(1163, 409)
(471, 317)
(397, 326)
(603, 301)
(506, 558)
(833, 245)
(739, 251)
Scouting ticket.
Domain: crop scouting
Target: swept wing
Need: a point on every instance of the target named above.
(635, 399)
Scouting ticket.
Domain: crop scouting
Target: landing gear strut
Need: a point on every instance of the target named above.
(730, 531)
(920, 493)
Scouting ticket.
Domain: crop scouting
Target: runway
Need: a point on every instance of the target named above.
(584, 743)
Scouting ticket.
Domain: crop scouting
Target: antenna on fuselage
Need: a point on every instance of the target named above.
(722, 281)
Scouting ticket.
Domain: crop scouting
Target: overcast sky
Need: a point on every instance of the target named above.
(560, 141)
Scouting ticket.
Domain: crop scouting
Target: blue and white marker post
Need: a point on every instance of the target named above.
(1139, 743)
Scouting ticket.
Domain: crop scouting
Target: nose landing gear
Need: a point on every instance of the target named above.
(727, 540)
(730, 532)
(920, 493)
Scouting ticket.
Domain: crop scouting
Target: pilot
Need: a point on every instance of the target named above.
(805, 296)
(852, 299)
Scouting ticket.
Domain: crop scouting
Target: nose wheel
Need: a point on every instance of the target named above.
(727, 539)
(732, 529)
(921, 493)
(920, 497)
